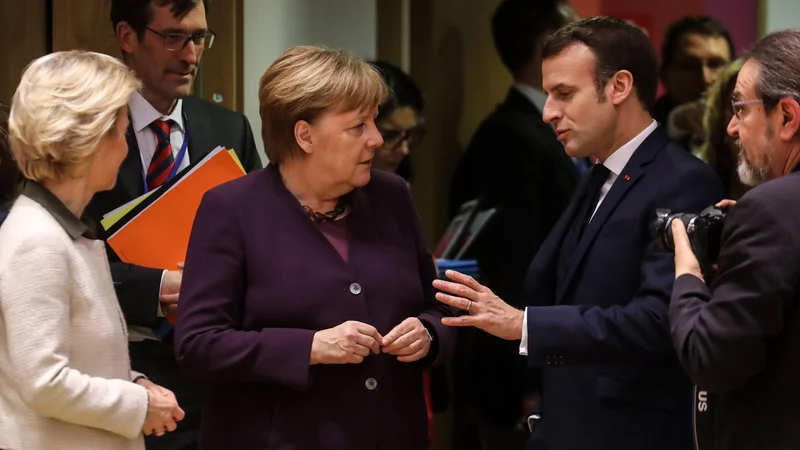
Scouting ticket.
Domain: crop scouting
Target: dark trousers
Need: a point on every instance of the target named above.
(156, 360)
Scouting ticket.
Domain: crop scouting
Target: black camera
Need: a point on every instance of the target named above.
(704, 230)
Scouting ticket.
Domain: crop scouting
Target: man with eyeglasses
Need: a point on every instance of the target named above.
(739, 338)
(163, 41)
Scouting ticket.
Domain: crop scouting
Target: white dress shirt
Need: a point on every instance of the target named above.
(615, 164)
(142, 115)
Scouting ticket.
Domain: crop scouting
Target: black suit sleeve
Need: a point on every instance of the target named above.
(249, 154)
(138, 289)
(722, 334)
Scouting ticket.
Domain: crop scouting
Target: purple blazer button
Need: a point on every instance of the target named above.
(371, 384)
(355, 288)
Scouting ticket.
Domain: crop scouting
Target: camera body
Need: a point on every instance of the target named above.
(704, 231)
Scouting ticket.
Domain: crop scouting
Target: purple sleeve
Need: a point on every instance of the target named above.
(209, 342)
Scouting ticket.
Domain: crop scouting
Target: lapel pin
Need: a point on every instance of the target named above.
(627, 178)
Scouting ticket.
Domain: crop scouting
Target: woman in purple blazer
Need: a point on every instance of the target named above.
(306, 299)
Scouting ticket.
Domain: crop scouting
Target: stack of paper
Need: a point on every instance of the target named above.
(153, 230)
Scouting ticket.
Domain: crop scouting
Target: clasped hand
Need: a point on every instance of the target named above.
(163, 411)
(352, 341)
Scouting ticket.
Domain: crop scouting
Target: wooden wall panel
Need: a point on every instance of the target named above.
(390, 31)
(83, 25)
(222, 67)
(454, 61)
(23, 31)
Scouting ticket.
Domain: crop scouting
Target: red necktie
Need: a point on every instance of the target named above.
(163, 161)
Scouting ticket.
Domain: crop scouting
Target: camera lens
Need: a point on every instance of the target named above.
(661, 228)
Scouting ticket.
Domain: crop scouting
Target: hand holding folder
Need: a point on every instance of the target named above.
(153, 230)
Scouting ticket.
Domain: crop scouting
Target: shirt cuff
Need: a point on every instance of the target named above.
(160, 312)
(523, 343)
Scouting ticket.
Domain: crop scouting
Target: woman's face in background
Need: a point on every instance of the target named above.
(402, 130)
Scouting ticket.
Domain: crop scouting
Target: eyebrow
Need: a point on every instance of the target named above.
(736, 95)
(561, 86)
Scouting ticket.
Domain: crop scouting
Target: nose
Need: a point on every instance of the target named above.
(549, 113)
(733, 127)
(403, 147)
(709, 75)
(374, 138)
(190, 54)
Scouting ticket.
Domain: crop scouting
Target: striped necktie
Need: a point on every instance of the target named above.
(163, 161)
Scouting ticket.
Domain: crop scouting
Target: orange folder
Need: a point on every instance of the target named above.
(159, 235)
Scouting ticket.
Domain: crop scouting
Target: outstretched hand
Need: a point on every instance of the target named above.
(485, 310)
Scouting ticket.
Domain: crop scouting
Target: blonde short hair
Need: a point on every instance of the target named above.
(64, 105)
(307, 81)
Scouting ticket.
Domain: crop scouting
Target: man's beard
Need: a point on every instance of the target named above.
(749, 174)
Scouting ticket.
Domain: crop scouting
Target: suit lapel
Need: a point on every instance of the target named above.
(130, 178)
(626, 180)
(198, 130)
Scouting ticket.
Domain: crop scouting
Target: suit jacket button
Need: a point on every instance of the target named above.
(371, 383)
(355, 288)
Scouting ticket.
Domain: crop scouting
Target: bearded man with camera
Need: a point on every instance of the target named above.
(739, 338)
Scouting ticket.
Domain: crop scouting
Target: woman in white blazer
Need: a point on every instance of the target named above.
(65, 376)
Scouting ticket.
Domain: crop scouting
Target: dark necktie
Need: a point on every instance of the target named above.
(163, 161)
(597, 177)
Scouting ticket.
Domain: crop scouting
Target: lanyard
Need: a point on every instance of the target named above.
(178, 160)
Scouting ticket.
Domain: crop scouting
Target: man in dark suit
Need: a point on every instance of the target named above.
(740, 339)
(515, 162)
(163, 43)
(598, 289)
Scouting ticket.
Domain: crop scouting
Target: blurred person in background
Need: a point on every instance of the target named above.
(516, 164)
(720, 149)
(65, 376)
(307, 300)
(10, 178)
(695, 50)
(400, 121)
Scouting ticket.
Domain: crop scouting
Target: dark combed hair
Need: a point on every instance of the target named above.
(10, 177)
(403, 91)
(617, 45)
(138, 13)
(517, 25)
(701, 25)
(778, 58)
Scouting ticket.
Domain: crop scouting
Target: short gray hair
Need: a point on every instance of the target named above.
(778, 58)
(65, 104)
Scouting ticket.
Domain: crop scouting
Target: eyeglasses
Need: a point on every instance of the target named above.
(393, 138)
(738, 106)
(177, 41)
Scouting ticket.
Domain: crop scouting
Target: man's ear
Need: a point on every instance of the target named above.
(620, 86)
(126, 37)
(304, 135)
(789, 115)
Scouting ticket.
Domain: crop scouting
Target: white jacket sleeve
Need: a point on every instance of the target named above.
(35, 305)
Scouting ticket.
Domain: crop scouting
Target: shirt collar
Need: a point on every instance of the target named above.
(74, 226)
(535, 96)
(143, 113)
(619, 159)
